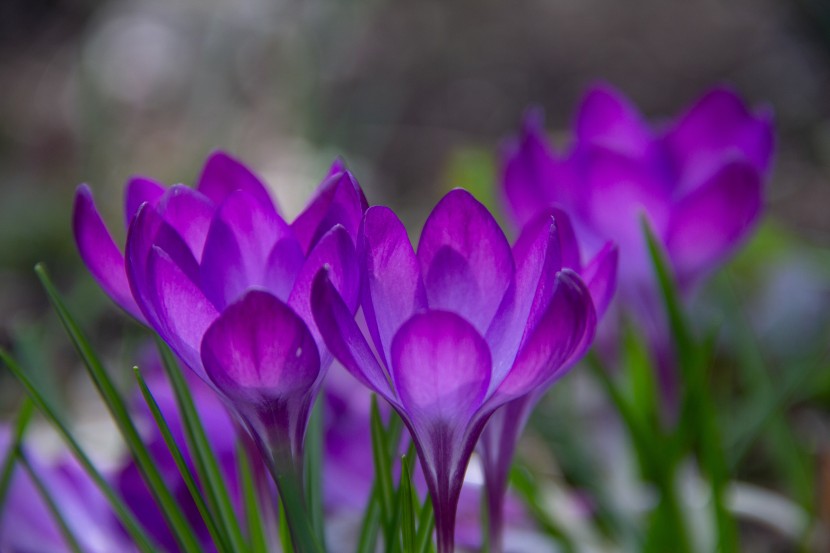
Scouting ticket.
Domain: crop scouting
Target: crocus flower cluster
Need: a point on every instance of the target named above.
(226, 282)
(459, 328)
(697, 181)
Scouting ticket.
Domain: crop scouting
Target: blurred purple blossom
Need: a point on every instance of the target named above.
(459, 329)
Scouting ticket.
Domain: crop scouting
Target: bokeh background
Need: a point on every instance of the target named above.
(416, 96)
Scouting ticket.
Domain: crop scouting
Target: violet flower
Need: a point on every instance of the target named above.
(460, 328)
(500, 438)
(698, 181)
(226, 282)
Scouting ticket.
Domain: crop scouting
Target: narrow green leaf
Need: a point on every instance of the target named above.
(370, 527)
(204, 458)
(383, 472)
(24, 416)
(133, 528)
(314, 472)
(256, 528)
(177, 522)
(66, 531)
(522, 482)
(218, 538)
(426, 525)
(285, 532)
(406, 502)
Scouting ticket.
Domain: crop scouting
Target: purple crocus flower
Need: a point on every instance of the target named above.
(460, 328)
(226, 282)
(501, 435)
(698, 181)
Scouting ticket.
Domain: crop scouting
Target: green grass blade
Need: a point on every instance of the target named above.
(426, 525)
(382, 462)
(218, 539)
(24, 417)
(406, 504)
(65, 530)
(370, 527)
(285, 531)
(177, 522)
(204, 459)
(45, 406)
(256, 529)
(313, 473)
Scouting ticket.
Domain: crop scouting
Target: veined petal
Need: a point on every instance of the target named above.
(600, 275)
(719, 124)
(394, 290)
(538, 257)
(441, 368)
(465, 259)
(709, 223)
(183, 312)
(99, 252)
(189, 213)
(561, 336)
(149, 230)
(222, 174)
(338, 201)
(336, 324)
(529, 173)
(242, 235)
(140, 190)
(258, 351)
(334, 252)
(606, 118)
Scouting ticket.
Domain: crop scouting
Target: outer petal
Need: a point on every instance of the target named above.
(465, 259)
(600, 275)
(343, 338)
(441, 368)
(182, 310)
(334, 252)
(339, 201)
(99, 252)
(149, 230)
(189, 213)
(393, 291)
(222, 174)
(720, 123)
(140, 190)
(242, 235)
(259, 351)
(710, 222)
(606, 118)
(538, 259)
(529, 174)
(562, 335)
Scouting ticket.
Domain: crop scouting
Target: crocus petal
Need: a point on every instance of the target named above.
(335, 253)
(283, 265)
(465, 259)
(719, 124)
(560, 337)
(600, 275)
(183, 311)
(140, 190)
(538, 259)
(99, 252)
(149, 230)
(710, 222)
(394, 290)
(259, 350)
(441, 368)
(189, 213)
(606, 118)
(529, 172)
(242, 235)
(344, 339)
(222, 174)
(339, 201)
